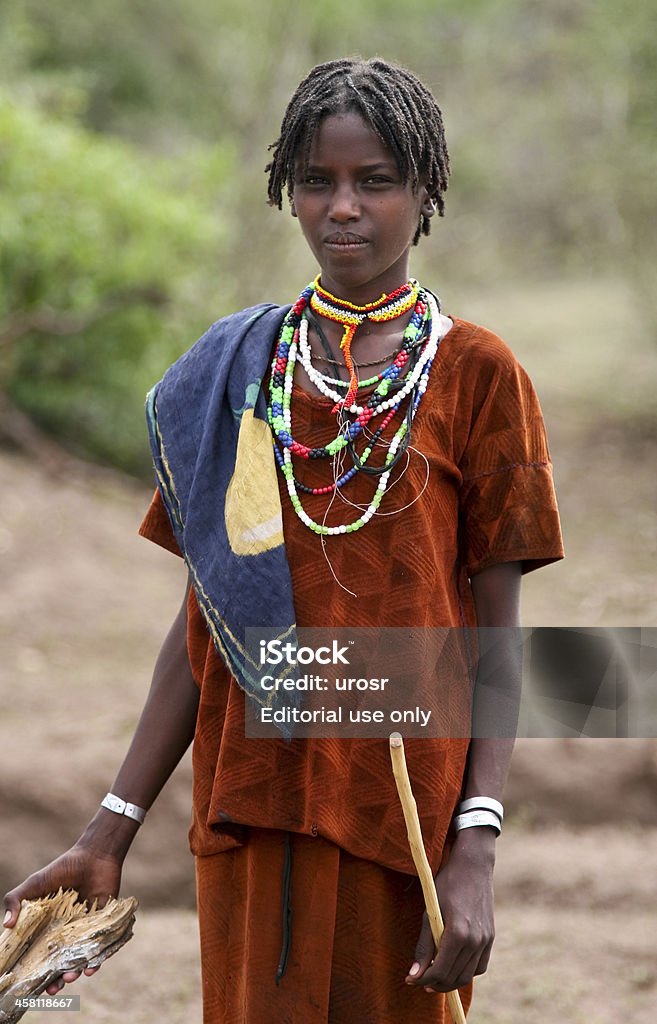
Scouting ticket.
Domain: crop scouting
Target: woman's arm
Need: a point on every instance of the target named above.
(465, 883)
(163, 734)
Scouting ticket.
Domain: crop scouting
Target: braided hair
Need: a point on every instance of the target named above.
(391, 99)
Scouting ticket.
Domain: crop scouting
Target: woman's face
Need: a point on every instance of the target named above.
(357, 216)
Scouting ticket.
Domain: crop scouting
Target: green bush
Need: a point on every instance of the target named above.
(106, 269)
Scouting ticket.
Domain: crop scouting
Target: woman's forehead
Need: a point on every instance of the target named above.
(345, 137)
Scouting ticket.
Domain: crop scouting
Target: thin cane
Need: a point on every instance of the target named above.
(416, 843)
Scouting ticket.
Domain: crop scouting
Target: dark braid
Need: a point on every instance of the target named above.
(391, 99)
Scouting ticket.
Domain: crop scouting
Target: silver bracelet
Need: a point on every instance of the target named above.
(119, 806)
(475, 818)
(481, 803)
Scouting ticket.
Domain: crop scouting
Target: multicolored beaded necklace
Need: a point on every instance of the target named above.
(405, 378)
(388, 307)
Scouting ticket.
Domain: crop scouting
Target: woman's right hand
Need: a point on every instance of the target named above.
(94, 875)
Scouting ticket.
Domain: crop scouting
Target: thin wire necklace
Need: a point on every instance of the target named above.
(328, 358)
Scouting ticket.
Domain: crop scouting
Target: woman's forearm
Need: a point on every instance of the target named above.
(495, 713)
(163, 734)
(93, 864)
(498, 688)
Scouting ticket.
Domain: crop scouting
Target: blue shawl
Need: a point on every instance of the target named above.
(215, 467)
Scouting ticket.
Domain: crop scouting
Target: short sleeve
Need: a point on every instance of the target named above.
(508, 507)
(156, 525)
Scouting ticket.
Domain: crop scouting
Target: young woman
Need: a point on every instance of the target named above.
(409, 484)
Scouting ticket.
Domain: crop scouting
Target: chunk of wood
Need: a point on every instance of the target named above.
(55, 934)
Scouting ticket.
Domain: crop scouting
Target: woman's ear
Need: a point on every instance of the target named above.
(429, 204)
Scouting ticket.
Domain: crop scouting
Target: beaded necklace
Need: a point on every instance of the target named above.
(350, 317)
(419, 346)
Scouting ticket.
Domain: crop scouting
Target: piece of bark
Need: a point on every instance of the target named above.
(53, 935)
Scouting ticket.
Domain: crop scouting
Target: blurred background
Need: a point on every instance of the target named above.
(133, 140)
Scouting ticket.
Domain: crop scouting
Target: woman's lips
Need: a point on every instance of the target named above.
(345, 243)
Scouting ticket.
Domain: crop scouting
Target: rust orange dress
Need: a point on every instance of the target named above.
(351, 913)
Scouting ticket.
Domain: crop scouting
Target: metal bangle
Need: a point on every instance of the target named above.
(119, 806)
(477, 818)
(481, 803)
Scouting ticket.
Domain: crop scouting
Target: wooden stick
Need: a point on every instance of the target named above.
(420, 859)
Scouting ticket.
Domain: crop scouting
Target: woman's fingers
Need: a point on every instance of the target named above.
(464, 952)
(30, 889)
(424, 952)
(67, 977)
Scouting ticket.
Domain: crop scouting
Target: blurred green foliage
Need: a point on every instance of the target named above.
(133, 139)
(101, 268)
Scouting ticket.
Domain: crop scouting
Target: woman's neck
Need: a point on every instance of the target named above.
(361, 295)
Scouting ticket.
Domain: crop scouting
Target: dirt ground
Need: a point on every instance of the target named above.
(83, 607)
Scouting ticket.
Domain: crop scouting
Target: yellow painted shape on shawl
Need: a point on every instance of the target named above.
(252, 510)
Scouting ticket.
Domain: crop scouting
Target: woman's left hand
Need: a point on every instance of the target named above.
(465, 894)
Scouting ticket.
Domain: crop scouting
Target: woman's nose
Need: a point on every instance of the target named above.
(345, 205)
